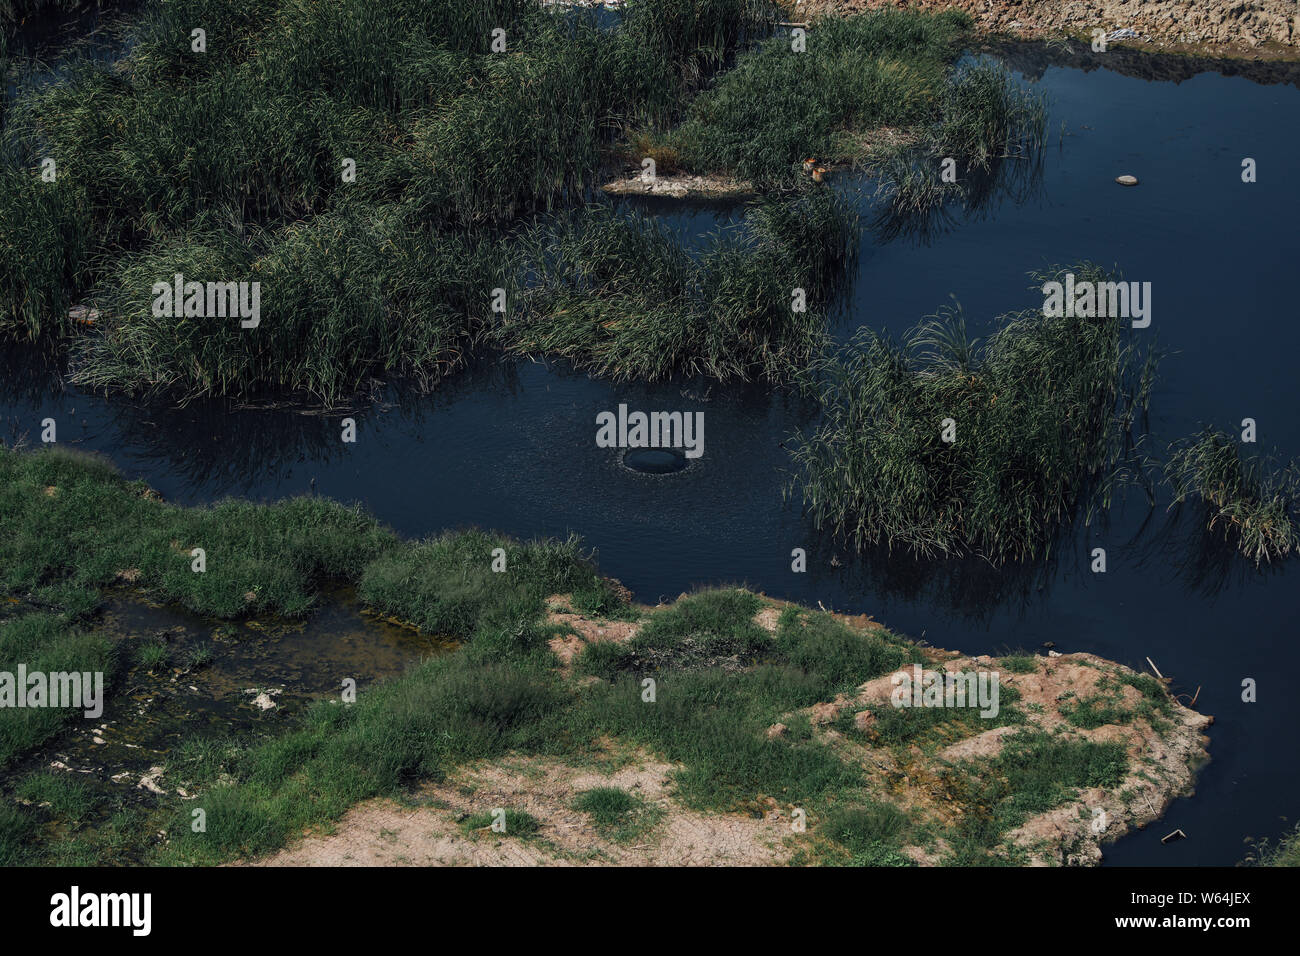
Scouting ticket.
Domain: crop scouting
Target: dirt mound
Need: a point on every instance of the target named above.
(1068, 697)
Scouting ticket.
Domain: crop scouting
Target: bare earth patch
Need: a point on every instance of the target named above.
(384, 833)
(679, 186)
(584, 630)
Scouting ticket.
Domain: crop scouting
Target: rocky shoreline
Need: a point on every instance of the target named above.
(1260, 29)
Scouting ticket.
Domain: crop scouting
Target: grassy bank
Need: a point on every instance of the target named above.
(948, 446)
(738, 704)
(73, 529)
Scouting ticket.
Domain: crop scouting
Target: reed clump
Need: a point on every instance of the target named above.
(620, 296)
(44, 241)
(1038, 419)
(778, 107)
(992, 130)
(1251, 502)
(345, 297)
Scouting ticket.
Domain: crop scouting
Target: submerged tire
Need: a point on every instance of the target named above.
(655, 461)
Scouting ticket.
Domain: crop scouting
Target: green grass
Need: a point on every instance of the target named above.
(198, 657)
(872, 834)
(1250, 502)
(1285, 852)
(72, 524)
(406, 302)
(712, 715)
(446, 585)
(1042, 410)
(934, 727)
(95, 524)
(500, 695)
(17, 829)
(991, 127)
(518, 824)
(1019, 663)
(777, 107)
(260, 559)
(227, 166)
(44, 242)
(12, 11)
(617, 814)
(62, 548)
(1032, 774)
(46, 641)
(186, 156)
(714, 629)
(68, 796)
(153, 656)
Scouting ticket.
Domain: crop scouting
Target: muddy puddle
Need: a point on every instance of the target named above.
(183, 676)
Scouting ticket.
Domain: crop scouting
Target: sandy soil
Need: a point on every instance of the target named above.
(383, 833)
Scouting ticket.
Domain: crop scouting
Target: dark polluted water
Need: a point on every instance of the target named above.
(509, 445)
(218, 679)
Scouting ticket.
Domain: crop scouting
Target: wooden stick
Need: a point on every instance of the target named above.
(1156, 669)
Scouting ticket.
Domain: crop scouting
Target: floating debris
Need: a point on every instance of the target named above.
(83, 315)
(1126, 180)
(150, 781)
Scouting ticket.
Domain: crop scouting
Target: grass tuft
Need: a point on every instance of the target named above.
(1250, 502)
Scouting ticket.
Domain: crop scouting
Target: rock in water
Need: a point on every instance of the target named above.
(1126, 180)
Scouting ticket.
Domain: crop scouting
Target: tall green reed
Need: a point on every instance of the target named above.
(1041, 414)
